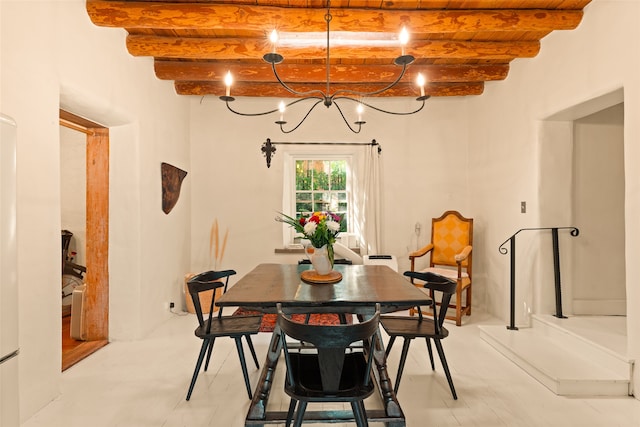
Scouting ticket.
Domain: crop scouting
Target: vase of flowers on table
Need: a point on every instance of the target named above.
(321, 229)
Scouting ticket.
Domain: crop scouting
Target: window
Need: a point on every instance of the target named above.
(344, 179)
(318, 182)
(321, 185)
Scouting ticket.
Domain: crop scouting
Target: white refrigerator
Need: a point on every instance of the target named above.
(9, 404)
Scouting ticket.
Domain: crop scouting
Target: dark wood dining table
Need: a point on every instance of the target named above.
(359, 290)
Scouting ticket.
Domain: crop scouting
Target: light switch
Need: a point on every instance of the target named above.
(523, 207)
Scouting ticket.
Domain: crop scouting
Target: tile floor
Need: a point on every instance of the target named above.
(144, 383)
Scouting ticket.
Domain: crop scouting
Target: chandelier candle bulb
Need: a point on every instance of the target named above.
(404, 38)
(281, 108)
(228, 80)
(421, 82)
(360, 109)
(274, 40)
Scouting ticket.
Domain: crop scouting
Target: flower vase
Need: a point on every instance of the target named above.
(321, 258)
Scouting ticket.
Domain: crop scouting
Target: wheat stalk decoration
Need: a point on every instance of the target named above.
(216, 251)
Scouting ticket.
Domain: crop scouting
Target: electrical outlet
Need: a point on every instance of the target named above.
(171, 305)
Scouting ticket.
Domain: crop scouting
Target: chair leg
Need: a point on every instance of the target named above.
(403, 359)
(292, 407)
(206, 364)
(253, 351)
(469, 300)
(359, 414)
(244, 365)
(445, 366)
(302, 407)
(364, 413)
(433, 367)
(458, 306)
(391, 341)
(203, 349)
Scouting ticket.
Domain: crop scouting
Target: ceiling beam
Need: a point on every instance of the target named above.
(215, 71)
(251, 49)
(212, 16)
(277, 91)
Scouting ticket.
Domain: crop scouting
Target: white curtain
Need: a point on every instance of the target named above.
(369, 203)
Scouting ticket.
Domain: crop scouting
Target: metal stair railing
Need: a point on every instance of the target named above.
(556, 268)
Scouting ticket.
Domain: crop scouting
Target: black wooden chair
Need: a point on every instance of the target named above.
(215, 326)
(430, 328)
(334, 372)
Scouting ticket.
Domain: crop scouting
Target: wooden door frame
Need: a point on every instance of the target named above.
(96, 306)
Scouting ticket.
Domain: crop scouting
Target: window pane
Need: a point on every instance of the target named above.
(333, 202)
(338, 175)
(303, 197)
(320, 175)
(320, 204)
(303, 175)
(303, 208)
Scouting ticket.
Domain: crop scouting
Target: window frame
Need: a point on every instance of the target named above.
(289, 186)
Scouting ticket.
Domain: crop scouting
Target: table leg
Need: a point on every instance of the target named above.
(389, 399)
(258, 407)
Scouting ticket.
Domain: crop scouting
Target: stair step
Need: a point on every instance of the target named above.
(564, 362)
(607, 352)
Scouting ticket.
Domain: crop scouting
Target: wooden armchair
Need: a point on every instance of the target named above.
(450, 256)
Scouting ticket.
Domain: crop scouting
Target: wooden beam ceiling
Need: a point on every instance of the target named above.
(458, 44)
(219, 16)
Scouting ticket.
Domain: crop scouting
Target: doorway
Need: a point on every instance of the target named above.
(91, 324)
(599, 276)
(582, 184)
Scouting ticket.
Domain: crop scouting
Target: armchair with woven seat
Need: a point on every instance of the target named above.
(450, 255)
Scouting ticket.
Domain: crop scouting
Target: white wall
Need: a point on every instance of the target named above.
(423, 158)
(53, 56)
(508, 142)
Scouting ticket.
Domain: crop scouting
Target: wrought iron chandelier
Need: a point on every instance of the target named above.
(326, 97)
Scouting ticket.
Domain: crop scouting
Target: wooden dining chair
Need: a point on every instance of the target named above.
(214, 326)
(334, 372)
(450, 255)
(429, 328)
